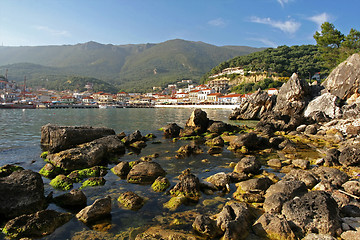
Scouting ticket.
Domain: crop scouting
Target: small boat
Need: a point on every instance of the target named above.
(103, 106)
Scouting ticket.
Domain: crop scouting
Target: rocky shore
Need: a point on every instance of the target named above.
(297, 174)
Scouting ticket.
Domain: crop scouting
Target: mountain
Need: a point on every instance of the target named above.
(133, 67)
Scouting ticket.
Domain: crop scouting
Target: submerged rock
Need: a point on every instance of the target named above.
(187, 150)
(171, 130)
(145, 173)
(99, 209)
(160, 184)
(62, 182)
(131, 200)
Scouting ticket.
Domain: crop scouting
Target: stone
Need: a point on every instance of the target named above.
(237, 177)
(350, 235)
(219, 127)
(79, 175)
(131, 200)
(273, 227)
(290, 188)
(160, 184)
(332, 157)
(122, 169)
(352, 187)
(311, 129)
(160, 232)
(50, 171)
(332, 176)
(93, 182)
(353, 222)
(171, 130)
(74, 199)
(255, 185)
(133, 137)
(274, 202)
(220, 180)
(215, 142)
(206, 226)
(8, 169)
(21, 192)
(215, 150)
(351, 210)
(309, 178)
(275, 163)
(198, 120)
(314, 236)
(301, 128)
(62, 182)
(145, 173)
(189, 186)
(35, 225)
(301, 163)
(58, 138)
(187, 150)
(344, 80)
(248, 165)
(326, 103)
(249, 140)
(350, 156)
(99, 209)
(315, 211)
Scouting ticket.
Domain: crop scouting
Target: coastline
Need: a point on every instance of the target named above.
(217, 106)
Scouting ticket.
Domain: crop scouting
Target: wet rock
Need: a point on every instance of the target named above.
(219, 127)
(326, 103)
(145, 173)
(248, 165)
(187, 150)
(93, 182)
(234, 220)
(74, 199)
(206, 226)
(171, 130)
(273, 227)
(274, 142)
(35, 225)
(350, 156)
(22, 192)
(131, 200)
(275, 163)
(198, 121)
(189, 186)
(252, 190)
(57, 138)
(255, 107)
(249, 140)
(332, 157)
(79, 175)
(309, 178)
(274, 202)
(122, 169)
(159, 232)
(133, 137)
(175, 202)
(351, 210)
(352, 187)
(99, 209)
(62, 182)
(8, 169)
(215, 142)
(237, 177)
(353, 222)
(138, 144)
(315, 211)
(220, 180)
(331, 176)
(289, 188)
(160, 184)
(344, 80)
(50, 171)
(301, 163)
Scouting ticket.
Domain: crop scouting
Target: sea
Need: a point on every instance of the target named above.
(20, 144)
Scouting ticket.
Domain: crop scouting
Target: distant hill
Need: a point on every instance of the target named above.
(133, 67)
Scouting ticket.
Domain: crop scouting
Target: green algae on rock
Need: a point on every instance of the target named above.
(62, 182)
(93, 181)
(78, 175)
(50, 171)
(131, 200)
(160, 184)
(7, 169)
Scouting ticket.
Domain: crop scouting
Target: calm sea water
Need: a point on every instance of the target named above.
(20, 144)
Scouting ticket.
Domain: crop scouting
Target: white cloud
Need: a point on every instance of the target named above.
(265, 41)
(320, 18)
(53, 32)
(289, 26)
(282, 2)
(218, 22)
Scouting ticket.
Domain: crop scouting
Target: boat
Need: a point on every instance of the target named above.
(106, 106)
(17, 106)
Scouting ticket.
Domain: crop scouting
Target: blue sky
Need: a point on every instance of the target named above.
(256, 23)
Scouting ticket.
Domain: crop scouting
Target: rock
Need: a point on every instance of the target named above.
(351, 210)
(198, 121)
(234, 220)
(315, 211)
(8, 169)
(332, 176)
(249, 140)
(273, 227)
(274, 142)
(57, 138)
(187, 150)
(350, 156)
(93, 181)
(22, 192)
(332, 157)
(79, 175)
(74, 199)
(237, 177)
(319, 117)
(252, 191)
(171, 130)
(301, 163)
(344, 80)
(145, 173)
(309, 178)
(215, 150)
(248, 165)
(62, 182)
(289, 188)
(159, 232)
(326, 103)
(215, 142)
(134, 137)
(314, 236)
(255, 107)
(131, 200)
(122, 169)
(311, 129)
(99, 209)
(220, 180)
(301, 128)
(352, 187)
(160, 184)
(293, 96)
(274, 202)
(219, 127)
(189, 186)
(50, 171)
(350, 235)
(35, 225)
(138, 144)
(275, 163)
(278, 121)
(175, 202)
(206, 226)
(87, 155)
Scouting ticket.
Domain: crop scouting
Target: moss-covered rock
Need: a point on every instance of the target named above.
(44, 154)
(50, 171)
(175, 202)
(93, 181)
(79, 175)
(160, 184)
(122, 169)
(62, 182)
(131, 200)
(7, 169)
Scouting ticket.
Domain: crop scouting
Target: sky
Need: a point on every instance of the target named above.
(255, 23)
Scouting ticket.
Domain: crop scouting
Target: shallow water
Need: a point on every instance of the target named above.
(20, 144)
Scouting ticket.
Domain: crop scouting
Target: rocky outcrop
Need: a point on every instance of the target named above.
(35, 225)
(255, 107)
(57, 138)
(22, 192)
(99, 209)
(344, 80)
(326, 103)
(145, 173)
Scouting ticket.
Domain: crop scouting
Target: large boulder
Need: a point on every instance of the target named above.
(198, 120)
(255, 107)
(250, 141)
(35, 225)
(57, 138)
(273, 227)
(293, 96)
(22, 192)
(350, 156)
(326, 103)
(171, 130)
(315, 211)
(331, 176)
(344, 80)
(145, 173)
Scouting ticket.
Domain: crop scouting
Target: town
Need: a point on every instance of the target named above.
(184, 92)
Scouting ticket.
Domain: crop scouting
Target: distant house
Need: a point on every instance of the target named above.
(106, 98)
(272, 91)
(213, 97)
(87, 100)
(67, 99)
(232, 99)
